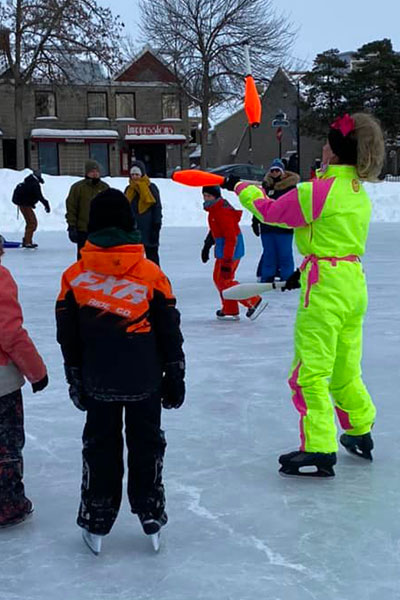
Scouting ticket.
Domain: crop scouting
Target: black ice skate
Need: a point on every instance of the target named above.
(221, 316)
(31, 246)
(152, 527)
(358, 445)
(307, 464)
(255, 311)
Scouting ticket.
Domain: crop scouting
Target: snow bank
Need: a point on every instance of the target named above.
(182, 205)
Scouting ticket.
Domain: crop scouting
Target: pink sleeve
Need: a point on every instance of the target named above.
(285, 211)
(14, 339)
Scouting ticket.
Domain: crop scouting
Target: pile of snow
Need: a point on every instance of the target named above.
(182, 205)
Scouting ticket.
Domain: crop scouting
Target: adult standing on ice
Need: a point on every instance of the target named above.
(78, 203)
(223, 221)
(331, 218)
(18, 359)
(144, 198)
(26, 195)
(120, 336)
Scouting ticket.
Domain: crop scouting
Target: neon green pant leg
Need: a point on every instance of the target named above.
(354, 406)
(316, 335)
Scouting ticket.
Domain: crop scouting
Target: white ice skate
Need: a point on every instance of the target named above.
(92, 541)
(255, 311)
(152, 528)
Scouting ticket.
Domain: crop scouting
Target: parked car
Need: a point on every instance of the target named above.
(245, 171)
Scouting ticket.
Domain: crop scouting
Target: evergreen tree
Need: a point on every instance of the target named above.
(323, 97)
(373, 84)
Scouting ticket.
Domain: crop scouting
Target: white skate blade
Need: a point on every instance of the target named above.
(155, 541)
(243, 291)
(92, 541)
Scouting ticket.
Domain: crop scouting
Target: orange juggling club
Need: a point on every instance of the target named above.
(197, 178)
(252, 102)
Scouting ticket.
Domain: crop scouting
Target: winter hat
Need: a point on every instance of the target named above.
(111, 208)
(212, 190)
(138, 164)
(90, 165)
(277, 164)
(38, 174)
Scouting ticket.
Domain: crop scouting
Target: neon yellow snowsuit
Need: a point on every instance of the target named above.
(331, 219)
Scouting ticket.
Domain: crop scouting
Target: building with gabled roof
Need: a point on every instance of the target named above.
(140, 113)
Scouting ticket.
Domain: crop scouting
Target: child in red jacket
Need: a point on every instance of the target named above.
(223, 221)
(18, 359)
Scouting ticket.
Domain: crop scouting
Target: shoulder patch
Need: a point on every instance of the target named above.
(355, 184)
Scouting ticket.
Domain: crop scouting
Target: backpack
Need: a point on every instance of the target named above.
(18, 195)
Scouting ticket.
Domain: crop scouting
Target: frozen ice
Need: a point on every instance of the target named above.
(236, 531)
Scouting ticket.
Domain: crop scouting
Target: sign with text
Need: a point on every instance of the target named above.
(149, 129)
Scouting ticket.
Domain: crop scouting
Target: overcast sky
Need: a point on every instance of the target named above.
(343, 24)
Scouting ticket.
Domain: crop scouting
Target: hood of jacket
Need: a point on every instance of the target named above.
(115, 260)
(289, 179)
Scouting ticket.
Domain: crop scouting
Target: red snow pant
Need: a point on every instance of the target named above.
(230, 307)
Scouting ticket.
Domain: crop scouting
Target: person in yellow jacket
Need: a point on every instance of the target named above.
(331, 216)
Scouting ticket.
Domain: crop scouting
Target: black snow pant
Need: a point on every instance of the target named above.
(152, 254)
(82, 237)
(13, 503)
(103, 466)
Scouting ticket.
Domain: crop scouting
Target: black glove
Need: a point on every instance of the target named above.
(208, 244)
(38, 386)
(255, 225)
(293, 282)
(173, 385)
(73, 234)
(46, 206)
(75, 389)
(230, 182)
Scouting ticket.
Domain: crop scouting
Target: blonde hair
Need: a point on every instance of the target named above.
(370, 146)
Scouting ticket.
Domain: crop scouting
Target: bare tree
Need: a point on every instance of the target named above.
(203, 41)
(42, 39)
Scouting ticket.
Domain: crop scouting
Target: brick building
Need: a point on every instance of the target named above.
(140, 113)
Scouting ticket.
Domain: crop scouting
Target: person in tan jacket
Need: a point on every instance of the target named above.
(78, 203)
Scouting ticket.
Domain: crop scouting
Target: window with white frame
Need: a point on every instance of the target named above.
(97, 104)
(125, 105)
(45, 104)
(171, 106)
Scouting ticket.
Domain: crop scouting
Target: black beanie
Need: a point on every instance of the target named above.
(213, 190)
(111, 208)
(344, 146)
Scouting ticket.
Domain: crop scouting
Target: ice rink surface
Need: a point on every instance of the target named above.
(237, 530)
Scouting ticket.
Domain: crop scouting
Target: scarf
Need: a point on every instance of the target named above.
(141, 188)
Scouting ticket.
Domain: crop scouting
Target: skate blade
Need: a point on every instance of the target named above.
(357, 453)
(92, 541)
(155, 541)
(308, 472)
(229, 318)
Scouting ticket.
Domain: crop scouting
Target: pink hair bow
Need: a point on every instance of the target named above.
(345, 124)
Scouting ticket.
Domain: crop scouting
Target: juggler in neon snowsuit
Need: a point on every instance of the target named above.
(331, 217)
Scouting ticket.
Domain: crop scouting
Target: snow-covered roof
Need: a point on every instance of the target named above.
(168, 137)
(1, 133)
(196, 152)
(75, 133)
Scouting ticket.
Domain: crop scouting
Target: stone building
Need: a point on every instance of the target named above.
(139, 113)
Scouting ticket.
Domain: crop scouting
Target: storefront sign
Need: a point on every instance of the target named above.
(150, 129)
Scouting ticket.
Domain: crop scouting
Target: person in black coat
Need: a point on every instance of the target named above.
(145, 201)
(26, 195)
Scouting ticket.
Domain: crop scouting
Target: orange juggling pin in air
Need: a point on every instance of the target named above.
(197, 178)
(252, 103)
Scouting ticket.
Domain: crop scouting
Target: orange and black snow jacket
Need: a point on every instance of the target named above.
(117, 321)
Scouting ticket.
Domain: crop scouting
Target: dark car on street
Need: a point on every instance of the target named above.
(245, 171)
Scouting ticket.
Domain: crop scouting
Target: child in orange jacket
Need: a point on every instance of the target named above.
(223, 221)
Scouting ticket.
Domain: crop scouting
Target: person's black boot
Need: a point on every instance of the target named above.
(307, 464)
(358, 445)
